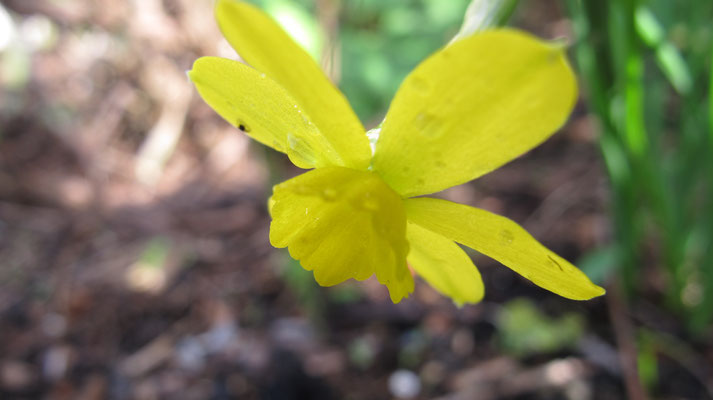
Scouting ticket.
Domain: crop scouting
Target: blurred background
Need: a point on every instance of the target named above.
(134, 252)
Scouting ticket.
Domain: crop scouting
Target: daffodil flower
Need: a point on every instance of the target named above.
(466, 110)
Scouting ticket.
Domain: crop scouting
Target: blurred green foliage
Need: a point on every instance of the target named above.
(646, 71)
(382, 41)
(525, 330)
(156, 252)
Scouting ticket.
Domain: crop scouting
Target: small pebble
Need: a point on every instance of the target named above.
(404, 384)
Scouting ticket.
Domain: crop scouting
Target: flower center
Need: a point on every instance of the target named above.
(342, 223)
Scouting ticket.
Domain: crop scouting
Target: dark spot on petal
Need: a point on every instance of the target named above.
(555, 261)
(242, 125)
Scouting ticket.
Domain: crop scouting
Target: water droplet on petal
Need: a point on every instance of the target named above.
(506, 237)
(439, 160)
(301, 189)
(429, 125)
(370, 204)
(305, 119)
(292, 141)
(421, 85)
(329, 194)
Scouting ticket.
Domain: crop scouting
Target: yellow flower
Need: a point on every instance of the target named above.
(463, 112)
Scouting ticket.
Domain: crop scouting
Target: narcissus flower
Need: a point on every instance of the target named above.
(463, 112)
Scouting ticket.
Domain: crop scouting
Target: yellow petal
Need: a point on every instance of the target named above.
(343, 223)
(270, 203)
(265, 46)
(470, 108)
(505, 241)
(261, 108)
(444, 265)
